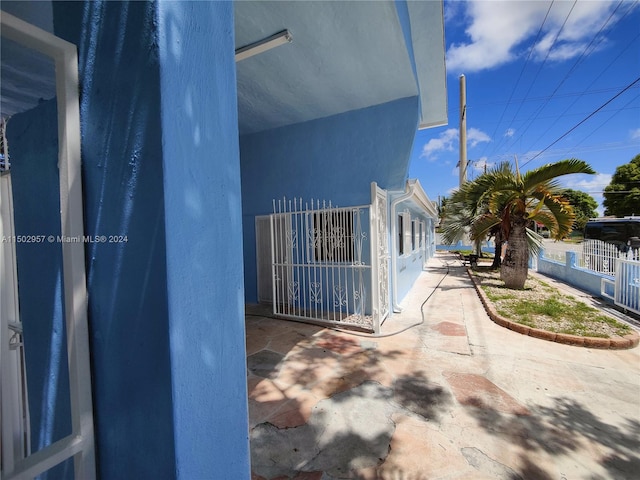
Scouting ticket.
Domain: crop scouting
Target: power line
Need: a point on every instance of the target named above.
(608, 119)
(513, 91)
(582, 121)
(539, 70)
(539, 110)
(568, 74)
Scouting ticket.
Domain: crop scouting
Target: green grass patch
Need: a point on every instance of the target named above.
(542, 306)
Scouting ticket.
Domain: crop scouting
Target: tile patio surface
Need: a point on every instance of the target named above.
(457, 397)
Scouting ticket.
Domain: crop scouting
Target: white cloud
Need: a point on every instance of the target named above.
(443, 143)
(448, 141)
(481, 164)
(590, 184)
(510, 132)
(500, 31)
(635, 134)
(475, 136)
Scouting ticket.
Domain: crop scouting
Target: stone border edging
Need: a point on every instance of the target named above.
(628, 341)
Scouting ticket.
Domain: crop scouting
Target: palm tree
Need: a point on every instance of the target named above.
(520, 200)
(467, 212)
(503, 203)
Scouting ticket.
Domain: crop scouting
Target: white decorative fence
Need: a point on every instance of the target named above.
(324, 259)
(601, 257)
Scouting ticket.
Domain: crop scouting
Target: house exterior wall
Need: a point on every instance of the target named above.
(410, 263)
(334, 158)
(161, 166)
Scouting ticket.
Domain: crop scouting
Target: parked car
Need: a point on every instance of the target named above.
(622, 232)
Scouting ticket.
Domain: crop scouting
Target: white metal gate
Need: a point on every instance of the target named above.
(330, 264)
(626, 285)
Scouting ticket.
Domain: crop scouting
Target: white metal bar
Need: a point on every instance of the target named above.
(373, 247)
(274, 297)
(73, 260)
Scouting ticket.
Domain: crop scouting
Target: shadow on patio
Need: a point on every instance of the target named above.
(322, 401)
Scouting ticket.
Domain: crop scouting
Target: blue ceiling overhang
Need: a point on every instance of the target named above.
(345, 55)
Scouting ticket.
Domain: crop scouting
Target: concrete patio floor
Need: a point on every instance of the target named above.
(457, 397)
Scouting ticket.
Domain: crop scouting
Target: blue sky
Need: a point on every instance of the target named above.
(534, 71)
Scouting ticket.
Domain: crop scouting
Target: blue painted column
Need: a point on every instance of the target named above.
(161, 166)
(203, 225)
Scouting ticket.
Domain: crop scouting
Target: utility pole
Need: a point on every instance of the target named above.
(463, 130)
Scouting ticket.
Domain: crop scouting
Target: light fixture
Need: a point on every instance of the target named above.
(260, 46)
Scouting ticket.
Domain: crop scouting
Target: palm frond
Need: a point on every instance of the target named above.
(564, 216)
(483, 224)
(534, 242)
(551, 171)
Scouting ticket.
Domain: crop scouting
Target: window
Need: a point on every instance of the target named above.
(400, 234)
(405, 233)
(333, 236)
(413, 235)
(421, 235)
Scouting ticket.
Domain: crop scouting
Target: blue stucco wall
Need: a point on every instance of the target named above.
(33, 137)
(123, 195)
(204, 239)
(161, 166)
(334, 158)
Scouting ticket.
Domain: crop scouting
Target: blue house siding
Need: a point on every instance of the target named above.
(334, 158)
(33, 137)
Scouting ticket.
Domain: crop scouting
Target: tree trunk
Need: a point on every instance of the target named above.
(515, 265)
(496, 258)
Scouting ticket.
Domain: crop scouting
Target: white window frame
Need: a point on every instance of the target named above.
(80, 443)
(404, 234)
